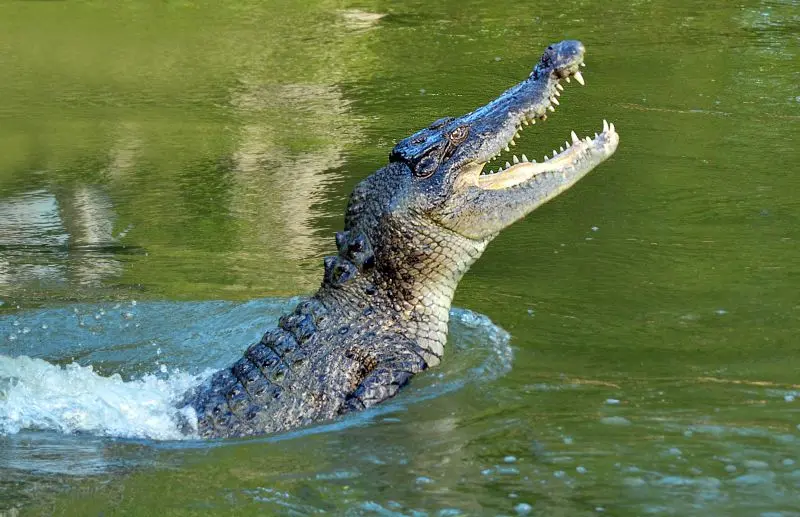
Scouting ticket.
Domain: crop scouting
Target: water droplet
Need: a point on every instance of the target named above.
(615, 420)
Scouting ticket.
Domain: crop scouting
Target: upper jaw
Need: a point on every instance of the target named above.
(527, 103)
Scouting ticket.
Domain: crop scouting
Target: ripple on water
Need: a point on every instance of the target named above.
(64, 395)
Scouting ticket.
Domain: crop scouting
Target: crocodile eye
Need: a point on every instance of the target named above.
(459, 134)
(426, 166)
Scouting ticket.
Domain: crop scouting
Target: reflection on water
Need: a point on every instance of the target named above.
(276, 185)
(46, 239)
(202, 150)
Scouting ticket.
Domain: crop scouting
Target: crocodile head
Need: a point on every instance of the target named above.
(449, 162)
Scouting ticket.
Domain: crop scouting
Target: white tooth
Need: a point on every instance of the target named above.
(524, 158)
(568, 80)
(533, 161)
(533, 121)
(551, 108)
(566, 144)
(558, 85)
(554, 101)
(595, 135)
(583, 64)
(605, 125)
(546, 158)
(575, 138)
(506, 149)
(611, 126)
(525, 121)
(508, 165)
(515, 159)
(558, 93)
(554, 153)
(579, 78)
(513, 143)
(517, 134)
(588, 140)
(561, 149)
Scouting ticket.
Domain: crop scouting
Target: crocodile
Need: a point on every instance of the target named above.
(412, 229)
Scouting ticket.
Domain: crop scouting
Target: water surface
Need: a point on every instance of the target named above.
(196, 157)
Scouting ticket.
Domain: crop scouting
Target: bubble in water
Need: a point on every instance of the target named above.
(615, 420)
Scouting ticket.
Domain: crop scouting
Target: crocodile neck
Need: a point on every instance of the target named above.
(407, 284)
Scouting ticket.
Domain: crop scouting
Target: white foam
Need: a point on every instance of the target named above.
(35, 394)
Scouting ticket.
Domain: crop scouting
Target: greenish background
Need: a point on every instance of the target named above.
(200, 150)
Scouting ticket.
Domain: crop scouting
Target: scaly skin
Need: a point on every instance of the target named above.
(412, 230)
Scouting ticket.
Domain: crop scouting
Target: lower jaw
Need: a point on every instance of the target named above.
(521, 172)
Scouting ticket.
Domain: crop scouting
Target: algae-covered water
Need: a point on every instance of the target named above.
(172, 173)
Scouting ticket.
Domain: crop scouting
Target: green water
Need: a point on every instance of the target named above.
(204, 150)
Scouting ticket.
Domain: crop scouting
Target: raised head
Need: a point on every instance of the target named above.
(448, 163)
(430, 213)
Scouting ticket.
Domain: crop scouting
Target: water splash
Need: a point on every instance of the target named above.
(75, 386)
(35, 394)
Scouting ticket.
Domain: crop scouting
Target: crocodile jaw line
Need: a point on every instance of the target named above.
(574, 154)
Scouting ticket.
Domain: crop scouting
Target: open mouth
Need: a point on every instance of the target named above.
(574, 156)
